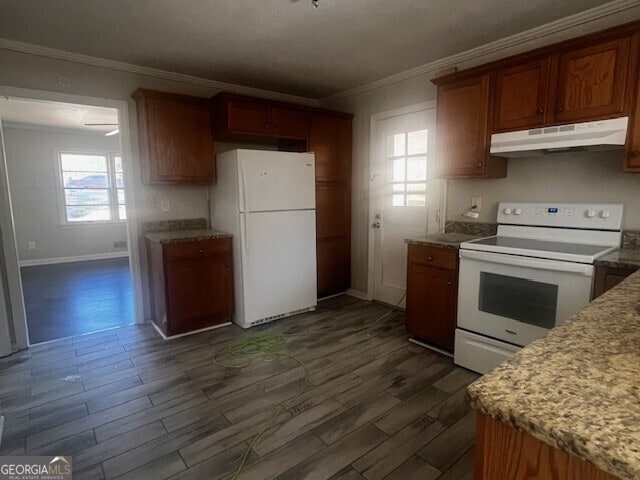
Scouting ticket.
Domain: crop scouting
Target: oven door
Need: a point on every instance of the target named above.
(518, 299)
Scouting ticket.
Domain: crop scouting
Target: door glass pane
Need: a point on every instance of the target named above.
(398, 201)
(417, 142)
(398, 170)
(119, 180)
(121, 196)
(118, 163)
(122, 212)
(416, 187)
(85, 180)
(88, 213)
(86, 196)
(416, 200)
(83, 163)
(416, 169)
(398, 187)
(395, 145)
(524, 300)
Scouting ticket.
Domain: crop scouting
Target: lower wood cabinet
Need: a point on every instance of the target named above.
(191, 284)
(432, 294)
(607, 277)
(505, 453)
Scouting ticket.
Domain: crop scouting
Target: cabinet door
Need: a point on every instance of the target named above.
(431, 304)
(592, 81)
(247, 116)
(462, 131)
(606, 278)
(632, 161)
(521, 95)
(200, 293)
(179, 141)
(290, 123)
(330, 140)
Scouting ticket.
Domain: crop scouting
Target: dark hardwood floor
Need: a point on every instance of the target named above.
(69, 299)
(126, 404)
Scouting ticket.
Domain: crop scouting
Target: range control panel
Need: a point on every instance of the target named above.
(596, 216)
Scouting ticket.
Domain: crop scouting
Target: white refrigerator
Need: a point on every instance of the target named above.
(266, 199)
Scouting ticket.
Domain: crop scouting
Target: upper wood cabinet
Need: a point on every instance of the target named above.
(521, 95)
(175, 138)
(463, 131)
(239, 115)
(632, 160)
(591, 81)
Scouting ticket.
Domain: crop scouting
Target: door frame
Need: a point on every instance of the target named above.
(374, 119)
(11, 256)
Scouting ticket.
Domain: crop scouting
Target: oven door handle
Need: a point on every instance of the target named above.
(528, 262)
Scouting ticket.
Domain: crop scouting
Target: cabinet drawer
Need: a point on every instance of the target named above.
(433, 256)
(203, 248)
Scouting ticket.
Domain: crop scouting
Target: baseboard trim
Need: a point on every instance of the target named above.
(431, 347)
(76, 258)
(357, 294)
(173, 337)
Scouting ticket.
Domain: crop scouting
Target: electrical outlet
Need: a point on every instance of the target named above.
(120, 244)
(31, 245)
(477, 203)
(165, 205)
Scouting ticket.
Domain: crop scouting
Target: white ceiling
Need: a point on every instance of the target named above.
(280, 45)
(56, 114)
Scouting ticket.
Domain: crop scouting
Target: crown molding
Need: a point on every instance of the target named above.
(516, 40)
(31, 49)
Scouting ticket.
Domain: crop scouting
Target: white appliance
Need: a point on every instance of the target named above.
(591, 136)
(266, 200)
(533, 275)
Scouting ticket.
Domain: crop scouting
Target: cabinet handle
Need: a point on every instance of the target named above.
(479, 164)
(449, 283)
(429, 258)
(560, 108)
(540, 111)
(200, 251)
(228, 264)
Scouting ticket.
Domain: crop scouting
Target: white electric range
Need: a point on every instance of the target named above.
(533, 275)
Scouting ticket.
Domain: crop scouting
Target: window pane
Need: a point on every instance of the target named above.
(83, 163)
(119, 180)
(118, 163)
(416, 169)
(398, 170)
(417, 142)
(86, 197)
(85, 180)
(395, 145)
(398, 187)
(86, 213)
(416, 201)
(122, 212)
(121, 196)
(398, 201)
(416, 187)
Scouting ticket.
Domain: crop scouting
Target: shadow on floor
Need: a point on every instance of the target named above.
(74, 298)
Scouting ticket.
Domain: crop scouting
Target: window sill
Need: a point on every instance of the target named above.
(91, 224)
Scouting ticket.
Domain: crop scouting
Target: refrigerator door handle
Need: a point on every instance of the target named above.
(243, 197)
(243, 239)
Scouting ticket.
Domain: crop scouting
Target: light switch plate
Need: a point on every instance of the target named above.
(165, 205)
(477, 201)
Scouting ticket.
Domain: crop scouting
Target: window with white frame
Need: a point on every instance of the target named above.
(407, 168)
(92, 187)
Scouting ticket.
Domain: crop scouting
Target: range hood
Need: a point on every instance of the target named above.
(589, 136)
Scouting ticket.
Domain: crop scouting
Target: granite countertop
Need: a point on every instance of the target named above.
(623, 258)
(446, 240)
(578, 389)
(174, 236)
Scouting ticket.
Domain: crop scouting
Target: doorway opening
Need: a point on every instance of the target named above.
(405, 199)
(66, 183)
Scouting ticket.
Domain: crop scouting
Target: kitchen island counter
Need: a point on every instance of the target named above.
(578, 388)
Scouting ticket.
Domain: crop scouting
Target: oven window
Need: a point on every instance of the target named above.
(523, 300)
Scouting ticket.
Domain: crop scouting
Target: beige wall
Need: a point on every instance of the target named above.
(31, 165)
(524, 181)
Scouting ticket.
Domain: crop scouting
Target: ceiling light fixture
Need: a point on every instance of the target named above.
(112, 133)
(315, 3)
